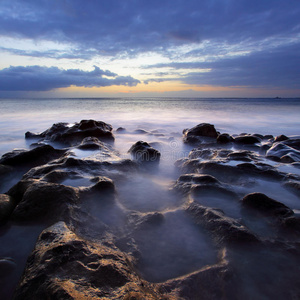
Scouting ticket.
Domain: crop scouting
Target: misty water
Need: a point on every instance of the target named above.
(180, 247)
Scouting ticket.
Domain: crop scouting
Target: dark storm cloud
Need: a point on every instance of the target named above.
(116, 26)
(36, 78)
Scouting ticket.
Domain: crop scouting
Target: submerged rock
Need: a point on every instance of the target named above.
(142, 152)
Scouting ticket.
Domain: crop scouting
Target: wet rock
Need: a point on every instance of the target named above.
(5, 170)
(65, 266)
(283, 152)
(103, 185)
(142, 152)
(224, 138)
(211, 282)
(194, 134)
(268, 137)
(247, 139)
(34, 157)
(7, 205)
(224, 230)
(7, 266)
(266, 205)
(44, 201)
(140, 131)
(293, 185)
(280, 138)
(92, 143)
(121, 130)
(72, 135)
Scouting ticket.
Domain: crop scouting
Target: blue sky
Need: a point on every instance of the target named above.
(217, 48)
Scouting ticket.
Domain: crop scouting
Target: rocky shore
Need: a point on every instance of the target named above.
(229, 229)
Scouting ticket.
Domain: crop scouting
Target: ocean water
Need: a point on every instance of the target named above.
(265, 116)
(159, 121)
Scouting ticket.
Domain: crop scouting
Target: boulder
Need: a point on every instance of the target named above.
(34, 157)
(194, 134)
(280, 138)
(43, 202)
(142, 152)
(66, 266)
(266, 205)
(224, 138)
(72, 135)
(283, 152)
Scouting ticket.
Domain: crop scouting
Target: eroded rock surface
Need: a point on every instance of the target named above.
(221, 230)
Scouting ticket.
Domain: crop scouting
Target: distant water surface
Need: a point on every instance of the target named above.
(265, 116)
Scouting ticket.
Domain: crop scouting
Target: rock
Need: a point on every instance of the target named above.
(266, 205)
(142, 152)
(224, 230)
(247, 139)
(268, 137)
(34, 157)
(7, 266)
(66, 266)
(283, 152)
(293, 186)
(224, 138)
(140, 131)
(280, 138)
(44, 201)
(103, 185)
(7, 205)
(72, 135)
(92, 143)
(121, 130)
(201, 130)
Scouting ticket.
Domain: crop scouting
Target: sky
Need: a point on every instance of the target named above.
(188, 48)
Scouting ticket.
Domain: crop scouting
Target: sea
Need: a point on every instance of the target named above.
(234, 116)
(159, 121)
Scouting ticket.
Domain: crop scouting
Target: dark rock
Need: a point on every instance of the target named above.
(121, 130)
(70, 135)
(34, 157)
(142, 152)
(260, 136)
(140, 131)
(268, 137)
(7, 266)
(7, 205)
(224, 230)
(201, 130)
(224, 138)
(103, 185)
(280, 138)
(198, 178)
(44, 201)
(283, 152)
(266, 205)
(65, 266)
(247, 139)
(293, 186)
(92, 143)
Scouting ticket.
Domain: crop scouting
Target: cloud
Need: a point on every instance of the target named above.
(36, 78)
(133, 26)
(277, 68)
